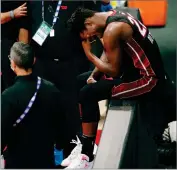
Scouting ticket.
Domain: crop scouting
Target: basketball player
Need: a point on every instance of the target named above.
(130, 67)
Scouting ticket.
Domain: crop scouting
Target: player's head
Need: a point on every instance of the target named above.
(85, 20)
(21, 56)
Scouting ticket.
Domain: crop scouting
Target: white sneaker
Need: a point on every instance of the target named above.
(81, 162)
(172, 131)
(74, 154)
(2, 162)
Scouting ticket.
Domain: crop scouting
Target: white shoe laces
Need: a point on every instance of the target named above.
(76, 150)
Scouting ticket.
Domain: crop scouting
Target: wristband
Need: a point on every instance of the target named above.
(12, 14)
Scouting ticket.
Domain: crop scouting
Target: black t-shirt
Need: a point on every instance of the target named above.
(10, 29)
(30, 143)
(64, 45)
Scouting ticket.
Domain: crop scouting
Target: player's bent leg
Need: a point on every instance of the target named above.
(82, 78)
(88, 98)
(135, 88)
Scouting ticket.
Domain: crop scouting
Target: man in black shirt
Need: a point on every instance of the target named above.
(62, 48)
(60, 58)
(32, 115)
(14, 26)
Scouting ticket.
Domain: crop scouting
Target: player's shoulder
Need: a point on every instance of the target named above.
(117, 30)
(113, 28)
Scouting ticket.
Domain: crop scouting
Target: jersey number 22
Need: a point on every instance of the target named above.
(142, 29)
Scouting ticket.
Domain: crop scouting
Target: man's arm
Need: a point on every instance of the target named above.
(24, 35)
(5, 17)
(16, 13)
(112, 51)
(25, 26)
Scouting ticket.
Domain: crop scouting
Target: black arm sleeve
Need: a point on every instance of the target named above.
(8, 118)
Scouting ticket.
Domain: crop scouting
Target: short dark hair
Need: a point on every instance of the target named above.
(22, 54)
(77, 20)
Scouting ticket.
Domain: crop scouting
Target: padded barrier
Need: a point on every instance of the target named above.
(153, 12)
(112, 138)
(139, 150)
(125, 142)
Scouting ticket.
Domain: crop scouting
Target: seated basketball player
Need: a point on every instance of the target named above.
(129, 67)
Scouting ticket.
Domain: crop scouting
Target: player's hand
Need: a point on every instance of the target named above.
(86, 46)
(85, 41)
(20, 11)
(84, 35)
(91, 80)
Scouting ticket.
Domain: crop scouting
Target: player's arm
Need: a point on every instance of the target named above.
(96, 71)
(112, 51)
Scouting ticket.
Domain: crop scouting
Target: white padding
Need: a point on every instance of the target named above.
(112, 139)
